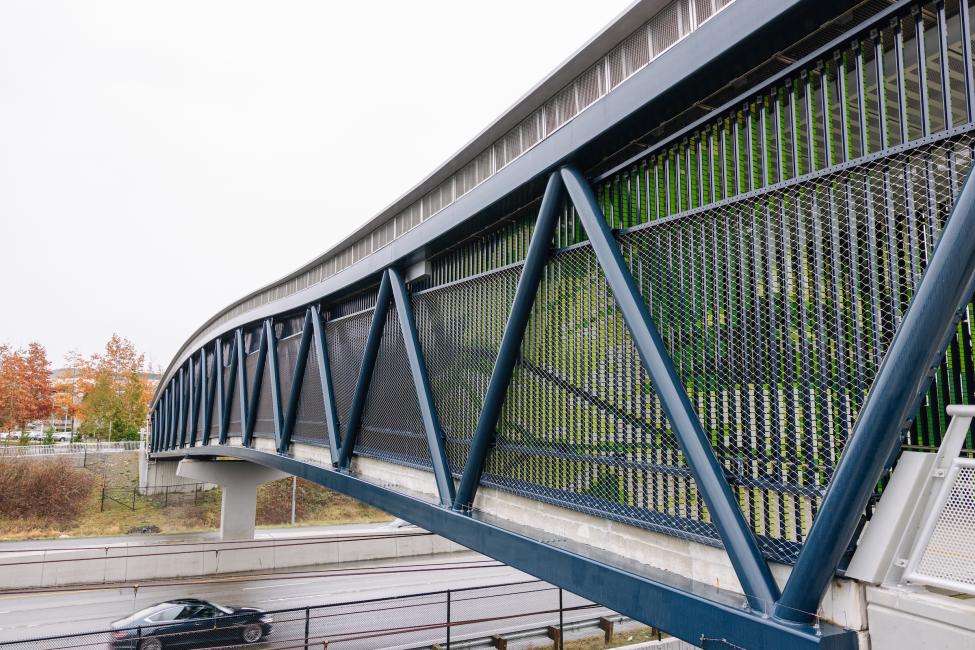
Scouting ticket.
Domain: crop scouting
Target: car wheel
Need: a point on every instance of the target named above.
(150, 644)
(252, 633)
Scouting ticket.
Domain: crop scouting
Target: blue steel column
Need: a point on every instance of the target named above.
(171, 433)
(240, 355)
(194, 412)
(207, 385)
(253, 400)
(354, 420)
(181, 416)
(297, 380)
(161, 438)
(164, 430)
(228, 395)
(272, 355)
(325, 378)
(912, 359)
(514, 332)
(739, 541)
(424, 396)
(155, 428)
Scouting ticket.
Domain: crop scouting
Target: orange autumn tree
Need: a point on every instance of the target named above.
(114, 388)
(26, 392)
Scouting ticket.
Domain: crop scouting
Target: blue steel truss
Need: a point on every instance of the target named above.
(195, 406)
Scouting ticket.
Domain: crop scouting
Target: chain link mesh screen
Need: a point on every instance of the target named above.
(346, 340)
(776, 308)
(310, 420)
(460, 327)
(234, 427)
(392, 427)
(264, 416)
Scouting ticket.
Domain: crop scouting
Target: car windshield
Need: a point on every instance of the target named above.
(225, 610)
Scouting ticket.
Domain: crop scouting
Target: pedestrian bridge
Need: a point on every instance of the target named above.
(654, 337)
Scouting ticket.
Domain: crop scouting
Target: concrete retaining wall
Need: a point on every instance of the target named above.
(127, 563)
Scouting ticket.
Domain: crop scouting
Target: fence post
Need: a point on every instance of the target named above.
(166, 502)
(133, 498)
(103, 496)
(448, 619)
(307, 621)
(561, 620)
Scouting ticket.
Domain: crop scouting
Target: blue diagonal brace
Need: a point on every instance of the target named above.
(181, 417)
(227, 394)
(254, 397)
(194, 401)
(514, 332)
(424, 396)
(297, 379)
(325, 377)
(354, 421)
(171, 440)
(915, 353)
(210, 383)
(277, 412)
(739, 541)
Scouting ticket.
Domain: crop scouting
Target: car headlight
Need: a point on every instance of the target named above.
(267, 618)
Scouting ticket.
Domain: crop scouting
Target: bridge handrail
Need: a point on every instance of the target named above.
(20, 451)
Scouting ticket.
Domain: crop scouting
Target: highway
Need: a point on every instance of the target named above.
(81, 610)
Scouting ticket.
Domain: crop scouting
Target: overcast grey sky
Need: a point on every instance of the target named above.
(160, 159)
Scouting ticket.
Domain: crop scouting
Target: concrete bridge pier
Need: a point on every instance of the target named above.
(239, 480)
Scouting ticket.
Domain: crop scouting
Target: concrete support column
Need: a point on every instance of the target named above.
(239, 480)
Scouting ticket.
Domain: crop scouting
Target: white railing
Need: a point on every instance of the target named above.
(944, 554)
(922, 534)
(21, 451)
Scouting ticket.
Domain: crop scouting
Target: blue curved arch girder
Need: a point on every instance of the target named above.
(699, 614)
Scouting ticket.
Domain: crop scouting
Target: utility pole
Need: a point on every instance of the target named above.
(294, 494)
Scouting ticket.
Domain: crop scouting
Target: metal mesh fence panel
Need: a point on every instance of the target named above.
(392, 427)
(777, 309)
(346, 340)
(264, 416)
(234, 426)
(310, 419)
(580, 423)
(460, 327)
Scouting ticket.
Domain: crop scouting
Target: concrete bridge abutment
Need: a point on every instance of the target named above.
(239, 480)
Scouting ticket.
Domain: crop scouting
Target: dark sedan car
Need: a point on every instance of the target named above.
(190, 623)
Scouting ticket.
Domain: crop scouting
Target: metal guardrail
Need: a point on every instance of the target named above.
(460, 618)
(20, 451)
